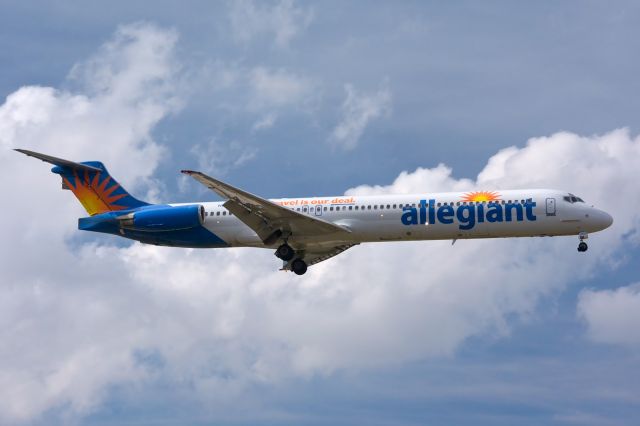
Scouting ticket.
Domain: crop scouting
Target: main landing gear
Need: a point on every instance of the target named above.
(287, 253)
(582, 246)
(299, 266)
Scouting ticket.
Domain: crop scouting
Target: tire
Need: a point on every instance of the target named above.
(582, 247)
(299, 267)
(285, 252)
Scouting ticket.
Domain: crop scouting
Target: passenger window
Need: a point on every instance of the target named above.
(224, 213)
(439, 204)
(331, 208)
(350, 207)
(369, 207)
(217, 213)
(325, 209)
(304, 209)
(394, 206)
(375, 207)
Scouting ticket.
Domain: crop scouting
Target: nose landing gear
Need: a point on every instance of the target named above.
(582, 246)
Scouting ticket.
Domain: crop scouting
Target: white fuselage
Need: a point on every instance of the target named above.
(434, 216)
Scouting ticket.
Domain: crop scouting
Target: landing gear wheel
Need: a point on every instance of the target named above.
(582, 247)
(285, 252)
(299, 266)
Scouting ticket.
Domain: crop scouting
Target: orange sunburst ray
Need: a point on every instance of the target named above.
(115, 198)
(96, 180)
(110, 190)
(104, 184)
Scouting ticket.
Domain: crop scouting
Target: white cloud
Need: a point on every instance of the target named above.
(129, 87)
(219, 158)
(415, 182)
(48, 305)
(265, 122)
(282, 20)
(77, 319)
(612, 316)
(278, 88)
(260, 92)
(357, 111)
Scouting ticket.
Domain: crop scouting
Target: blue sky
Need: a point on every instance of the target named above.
(291, 98)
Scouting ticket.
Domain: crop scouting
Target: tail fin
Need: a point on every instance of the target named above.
(91, 183)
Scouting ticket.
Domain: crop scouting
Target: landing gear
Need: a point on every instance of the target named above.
(582, 246)
(288, 254)
(299, 266)
(285, 252)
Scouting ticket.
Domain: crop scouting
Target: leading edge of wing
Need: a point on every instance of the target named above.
(277, 215)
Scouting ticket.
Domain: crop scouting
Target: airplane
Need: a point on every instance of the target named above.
(307, 230)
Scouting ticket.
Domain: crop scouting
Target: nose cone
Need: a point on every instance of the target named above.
(600, 220)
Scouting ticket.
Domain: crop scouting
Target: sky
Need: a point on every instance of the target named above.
(290, 98)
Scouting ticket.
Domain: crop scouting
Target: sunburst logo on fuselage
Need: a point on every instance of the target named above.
(481, 196)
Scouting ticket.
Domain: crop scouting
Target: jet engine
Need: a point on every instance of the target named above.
(165, 218)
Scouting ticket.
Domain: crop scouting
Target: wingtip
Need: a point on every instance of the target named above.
(187, 172)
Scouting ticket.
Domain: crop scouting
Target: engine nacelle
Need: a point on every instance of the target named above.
(164, 218)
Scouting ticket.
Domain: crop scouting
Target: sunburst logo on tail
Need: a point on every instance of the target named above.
(481, 196)
(96, 197)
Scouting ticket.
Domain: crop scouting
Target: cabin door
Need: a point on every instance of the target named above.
(551, 206)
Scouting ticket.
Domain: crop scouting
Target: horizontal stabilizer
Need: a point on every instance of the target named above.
(59, 161)
(91, 183)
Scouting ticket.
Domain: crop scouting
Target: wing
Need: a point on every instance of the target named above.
(266, 218)
(315, 255)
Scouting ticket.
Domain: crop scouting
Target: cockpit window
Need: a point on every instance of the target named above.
(572, 199)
